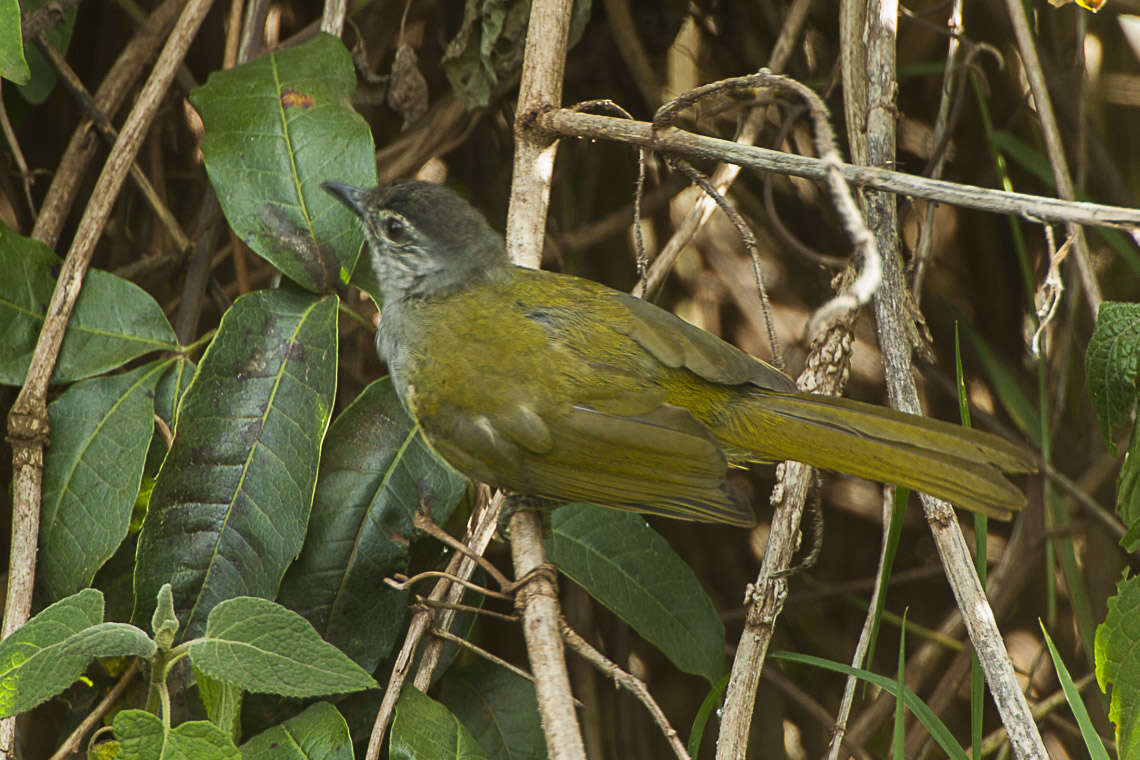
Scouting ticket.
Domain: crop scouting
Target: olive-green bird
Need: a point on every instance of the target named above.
(553, 386)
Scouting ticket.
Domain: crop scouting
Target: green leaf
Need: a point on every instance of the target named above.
(319, 733)
(709, 705)
(230, 506)
(1112, 363)
(628, 567)
(276, 128)
(114, 320)
(143, 736)
(13, 66)
(1093, 743)
(51, 650)
(424, 728)
(223, 702)
(498, 707)
(374, 467)
(43, 75)
(261, 646)
(1117, 654)
(100, 431)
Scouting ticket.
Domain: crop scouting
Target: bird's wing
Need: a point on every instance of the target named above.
(676, 343)
(663, 462)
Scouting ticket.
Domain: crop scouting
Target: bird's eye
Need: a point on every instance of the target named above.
(394, 229)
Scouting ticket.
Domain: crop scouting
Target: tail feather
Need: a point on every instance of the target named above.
(961, 465)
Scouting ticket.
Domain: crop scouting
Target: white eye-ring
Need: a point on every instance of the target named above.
(394, 229)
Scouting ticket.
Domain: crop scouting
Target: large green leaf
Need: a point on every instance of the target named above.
(424, 728)
(101, 429)
(319, 733)
(630, 568)
(114, 320)
(374, 469)
(276, 128)
(498, 707)
(261, 646)
(231, 503)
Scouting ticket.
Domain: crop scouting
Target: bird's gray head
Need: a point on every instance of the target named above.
(423, 239)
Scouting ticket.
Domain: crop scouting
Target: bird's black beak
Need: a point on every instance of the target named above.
(351, 196)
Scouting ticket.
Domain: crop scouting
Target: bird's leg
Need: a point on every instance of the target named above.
(517, 502)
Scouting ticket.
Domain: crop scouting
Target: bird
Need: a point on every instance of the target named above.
(561, 389)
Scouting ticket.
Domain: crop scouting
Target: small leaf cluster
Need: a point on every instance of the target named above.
(249, 643)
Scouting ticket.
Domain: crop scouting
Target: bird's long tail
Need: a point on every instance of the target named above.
(963, 466)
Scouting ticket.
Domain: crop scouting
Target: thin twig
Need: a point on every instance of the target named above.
(422, 521)
(479, 538)
(627, 681)
(639, 186)
(447, 635)
(949, 109)
(17, 154)
(813, 708)
(568, 123)
(469, 608)
(749, 242)
(479, 535)
(403, 583)
(75, 738)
